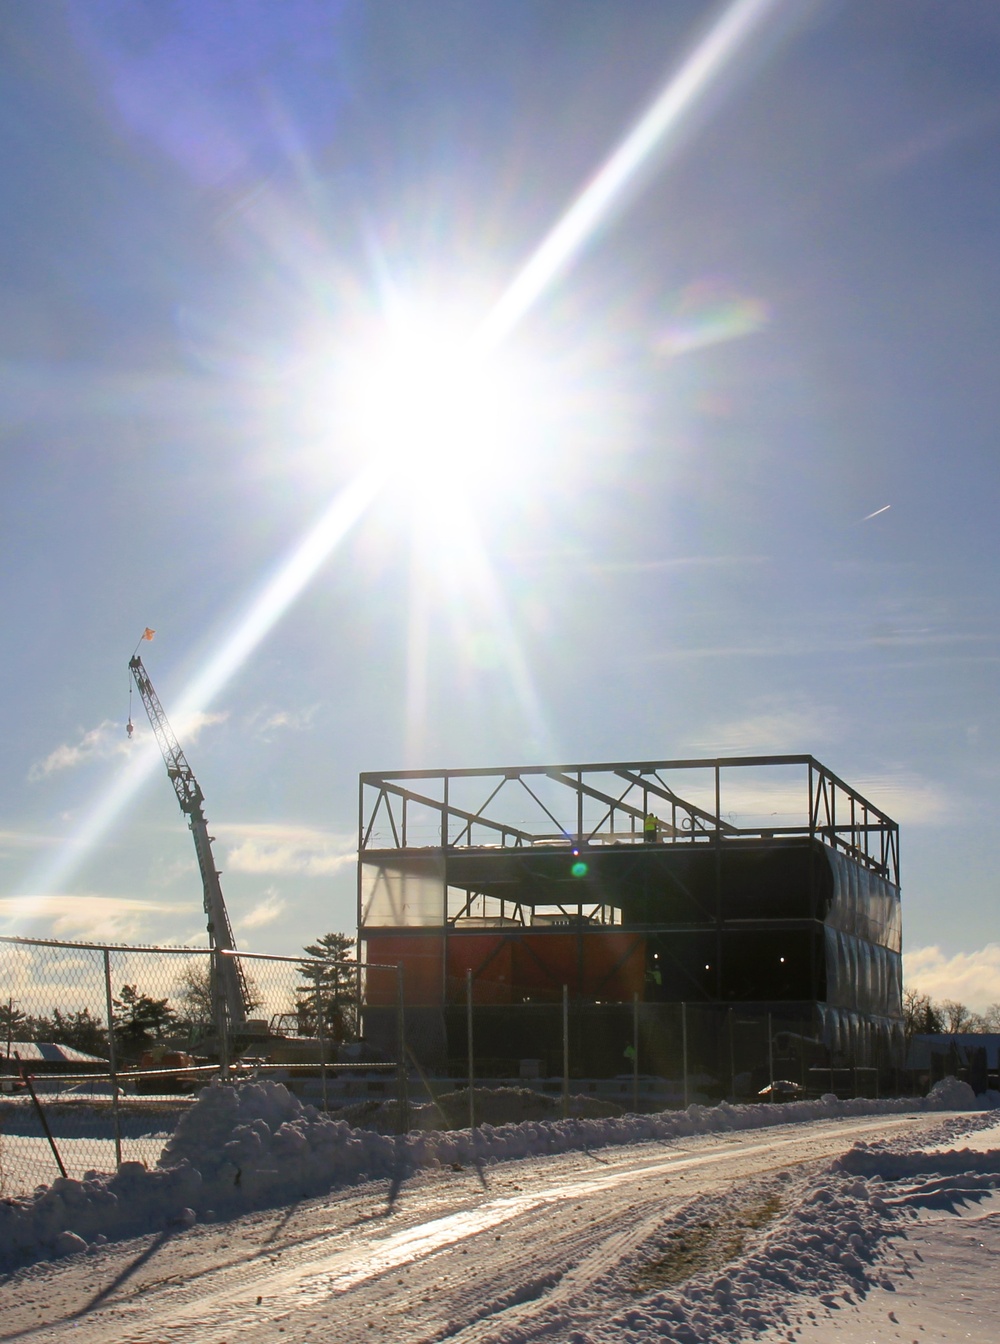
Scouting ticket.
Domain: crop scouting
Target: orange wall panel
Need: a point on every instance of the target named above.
(506, 967)
(614, 966)
(490, 958)
(543, 963)
(422, 956)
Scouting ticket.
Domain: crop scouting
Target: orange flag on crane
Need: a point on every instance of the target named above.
(147, 633)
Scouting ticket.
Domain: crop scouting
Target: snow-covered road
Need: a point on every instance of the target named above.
(545, 1246)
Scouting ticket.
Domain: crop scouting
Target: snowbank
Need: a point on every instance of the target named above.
(246, 1146)
(494, 1106)
(826, 1251)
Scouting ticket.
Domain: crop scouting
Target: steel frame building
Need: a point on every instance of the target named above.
(767, 883)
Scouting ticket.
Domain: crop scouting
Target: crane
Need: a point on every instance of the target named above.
(230, 993)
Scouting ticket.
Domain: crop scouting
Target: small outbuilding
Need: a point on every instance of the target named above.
(41, 1057)
(973, 1056)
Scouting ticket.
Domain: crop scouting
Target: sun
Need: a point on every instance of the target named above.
(433, 405)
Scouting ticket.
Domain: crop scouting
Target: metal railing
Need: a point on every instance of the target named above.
(691, 800)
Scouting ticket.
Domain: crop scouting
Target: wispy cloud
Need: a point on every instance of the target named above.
(188, 727)
(286, 850)
(266, 911)
(40, 979)
(109, 739)
(939, 660)
(803, 647)
(908, 798)
(750, 795)
(665, 564)
(934, 139)
(772, 729)
(582, 562)
(972, 978)
(751, 799)
(100, 743)
(267, 721)
(89, 915)
(166, 873)
(26, 840)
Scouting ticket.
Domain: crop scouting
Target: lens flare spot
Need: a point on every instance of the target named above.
(708, 313)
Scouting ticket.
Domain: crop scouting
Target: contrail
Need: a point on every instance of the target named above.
(883, 509)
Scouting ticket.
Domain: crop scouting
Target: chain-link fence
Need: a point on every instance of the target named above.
(103, 1047)
(640, 1055)
(647, 1054)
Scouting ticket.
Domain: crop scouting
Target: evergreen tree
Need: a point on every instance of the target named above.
(80, 1030)
(331, 985)
(13, 1025)
(140, 1021)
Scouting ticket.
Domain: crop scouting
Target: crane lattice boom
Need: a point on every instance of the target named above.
(227, 971)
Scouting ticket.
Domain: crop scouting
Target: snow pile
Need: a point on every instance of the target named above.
(257, 1139)
(977, 1169)
(952, 1095)
(825, 1247)
(825, 1252)
(68, 1214)
(246, 1146)
(248, 1140)
(494, 1106)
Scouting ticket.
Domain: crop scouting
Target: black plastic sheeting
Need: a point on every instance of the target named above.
(862, 903)
(862, 1015)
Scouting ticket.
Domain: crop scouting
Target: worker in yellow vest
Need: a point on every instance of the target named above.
(651, 828)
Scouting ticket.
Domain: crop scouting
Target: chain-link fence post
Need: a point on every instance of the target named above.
(635, 1052)
(565, 1043)
(770, 1058)
(684, 1050)
(42, 1118)
(403, 1100)
(321, 1037)
(112, 1058)
(219, 1007)
(472, 1068)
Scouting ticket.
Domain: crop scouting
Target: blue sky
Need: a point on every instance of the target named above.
(657, 540)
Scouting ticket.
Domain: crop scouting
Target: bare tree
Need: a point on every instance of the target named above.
(921, 1015)
(957, 1017)
(194, 992)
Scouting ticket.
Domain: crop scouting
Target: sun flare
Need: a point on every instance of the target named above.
(434, 406)
(439, 411)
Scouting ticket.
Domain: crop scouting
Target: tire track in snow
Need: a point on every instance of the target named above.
(348, 1287)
